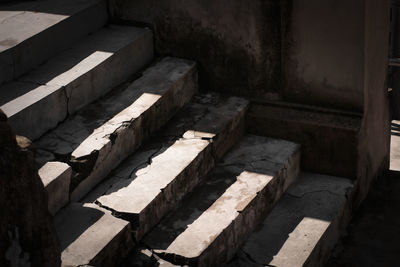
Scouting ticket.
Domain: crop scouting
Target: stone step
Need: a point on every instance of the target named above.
(303, 227)
(33, 31)
(100, 136)
(91, 236)
(214, 221)
(38, 101)
(56, 178)
(152, 181)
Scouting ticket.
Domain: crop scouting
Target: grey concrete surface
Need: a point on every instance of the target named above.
(56, 178)
(91, 236)
(303, 227)
(154, 180)
(214, 220)
(28, 27)
(75, 78)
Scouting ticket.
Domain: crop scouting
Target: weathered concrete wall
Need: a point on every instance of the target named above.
(236, 42)
(323, 53)
(374, 136)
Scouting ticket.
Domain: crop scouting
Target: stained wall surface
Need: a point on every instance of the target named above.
(323, 53)
(236, 42)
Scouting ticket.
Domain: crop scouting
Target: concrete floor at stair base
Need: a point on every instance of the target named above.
(213, 221)
(91, 235)
(302, 228)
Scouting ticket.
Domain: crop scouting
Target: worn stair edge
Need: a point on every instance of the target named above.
(91, 236)
(56, 178)
(75, 78)
(217, 217)
(40, 30)
(304, 226)
(119, 137)
(172, 172)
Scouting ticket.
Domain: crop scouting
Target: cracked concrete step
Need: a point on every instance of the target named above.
(153, 180)
(31, 32)
(214, 220)
(303, 227)
(91, 236)
(100, 136)
(38, 101)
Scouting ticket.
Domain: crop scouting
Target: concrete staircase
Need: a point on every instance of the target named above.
(140, 168)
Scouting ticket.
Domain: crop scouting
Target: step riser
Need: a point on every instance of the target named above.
(36, 119)
(69, 98)
(30, 53)
(127, 140)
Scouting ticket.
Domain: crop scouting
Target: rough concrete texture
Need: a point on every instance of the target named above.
(27, 233)
(151, 182)
(56, 178)
(303, 227)
(329, 139)
(213, 221)
(323, 53)
(236, 43)
(99, 137)
(91, 236)
(75, 78)
(28, 27)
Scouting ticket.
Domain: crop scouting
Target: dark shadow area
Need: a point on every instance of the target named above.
(140, 257)
(374, 233)
(73, 221)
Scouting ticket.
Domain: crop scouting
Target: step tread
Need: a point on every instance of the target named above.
(86, 55)
(74, 78)
(23, 20)
(101, 135)
(146, 185)
(297, 225)
(27, 27)
(215, 211)
(91, 235)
